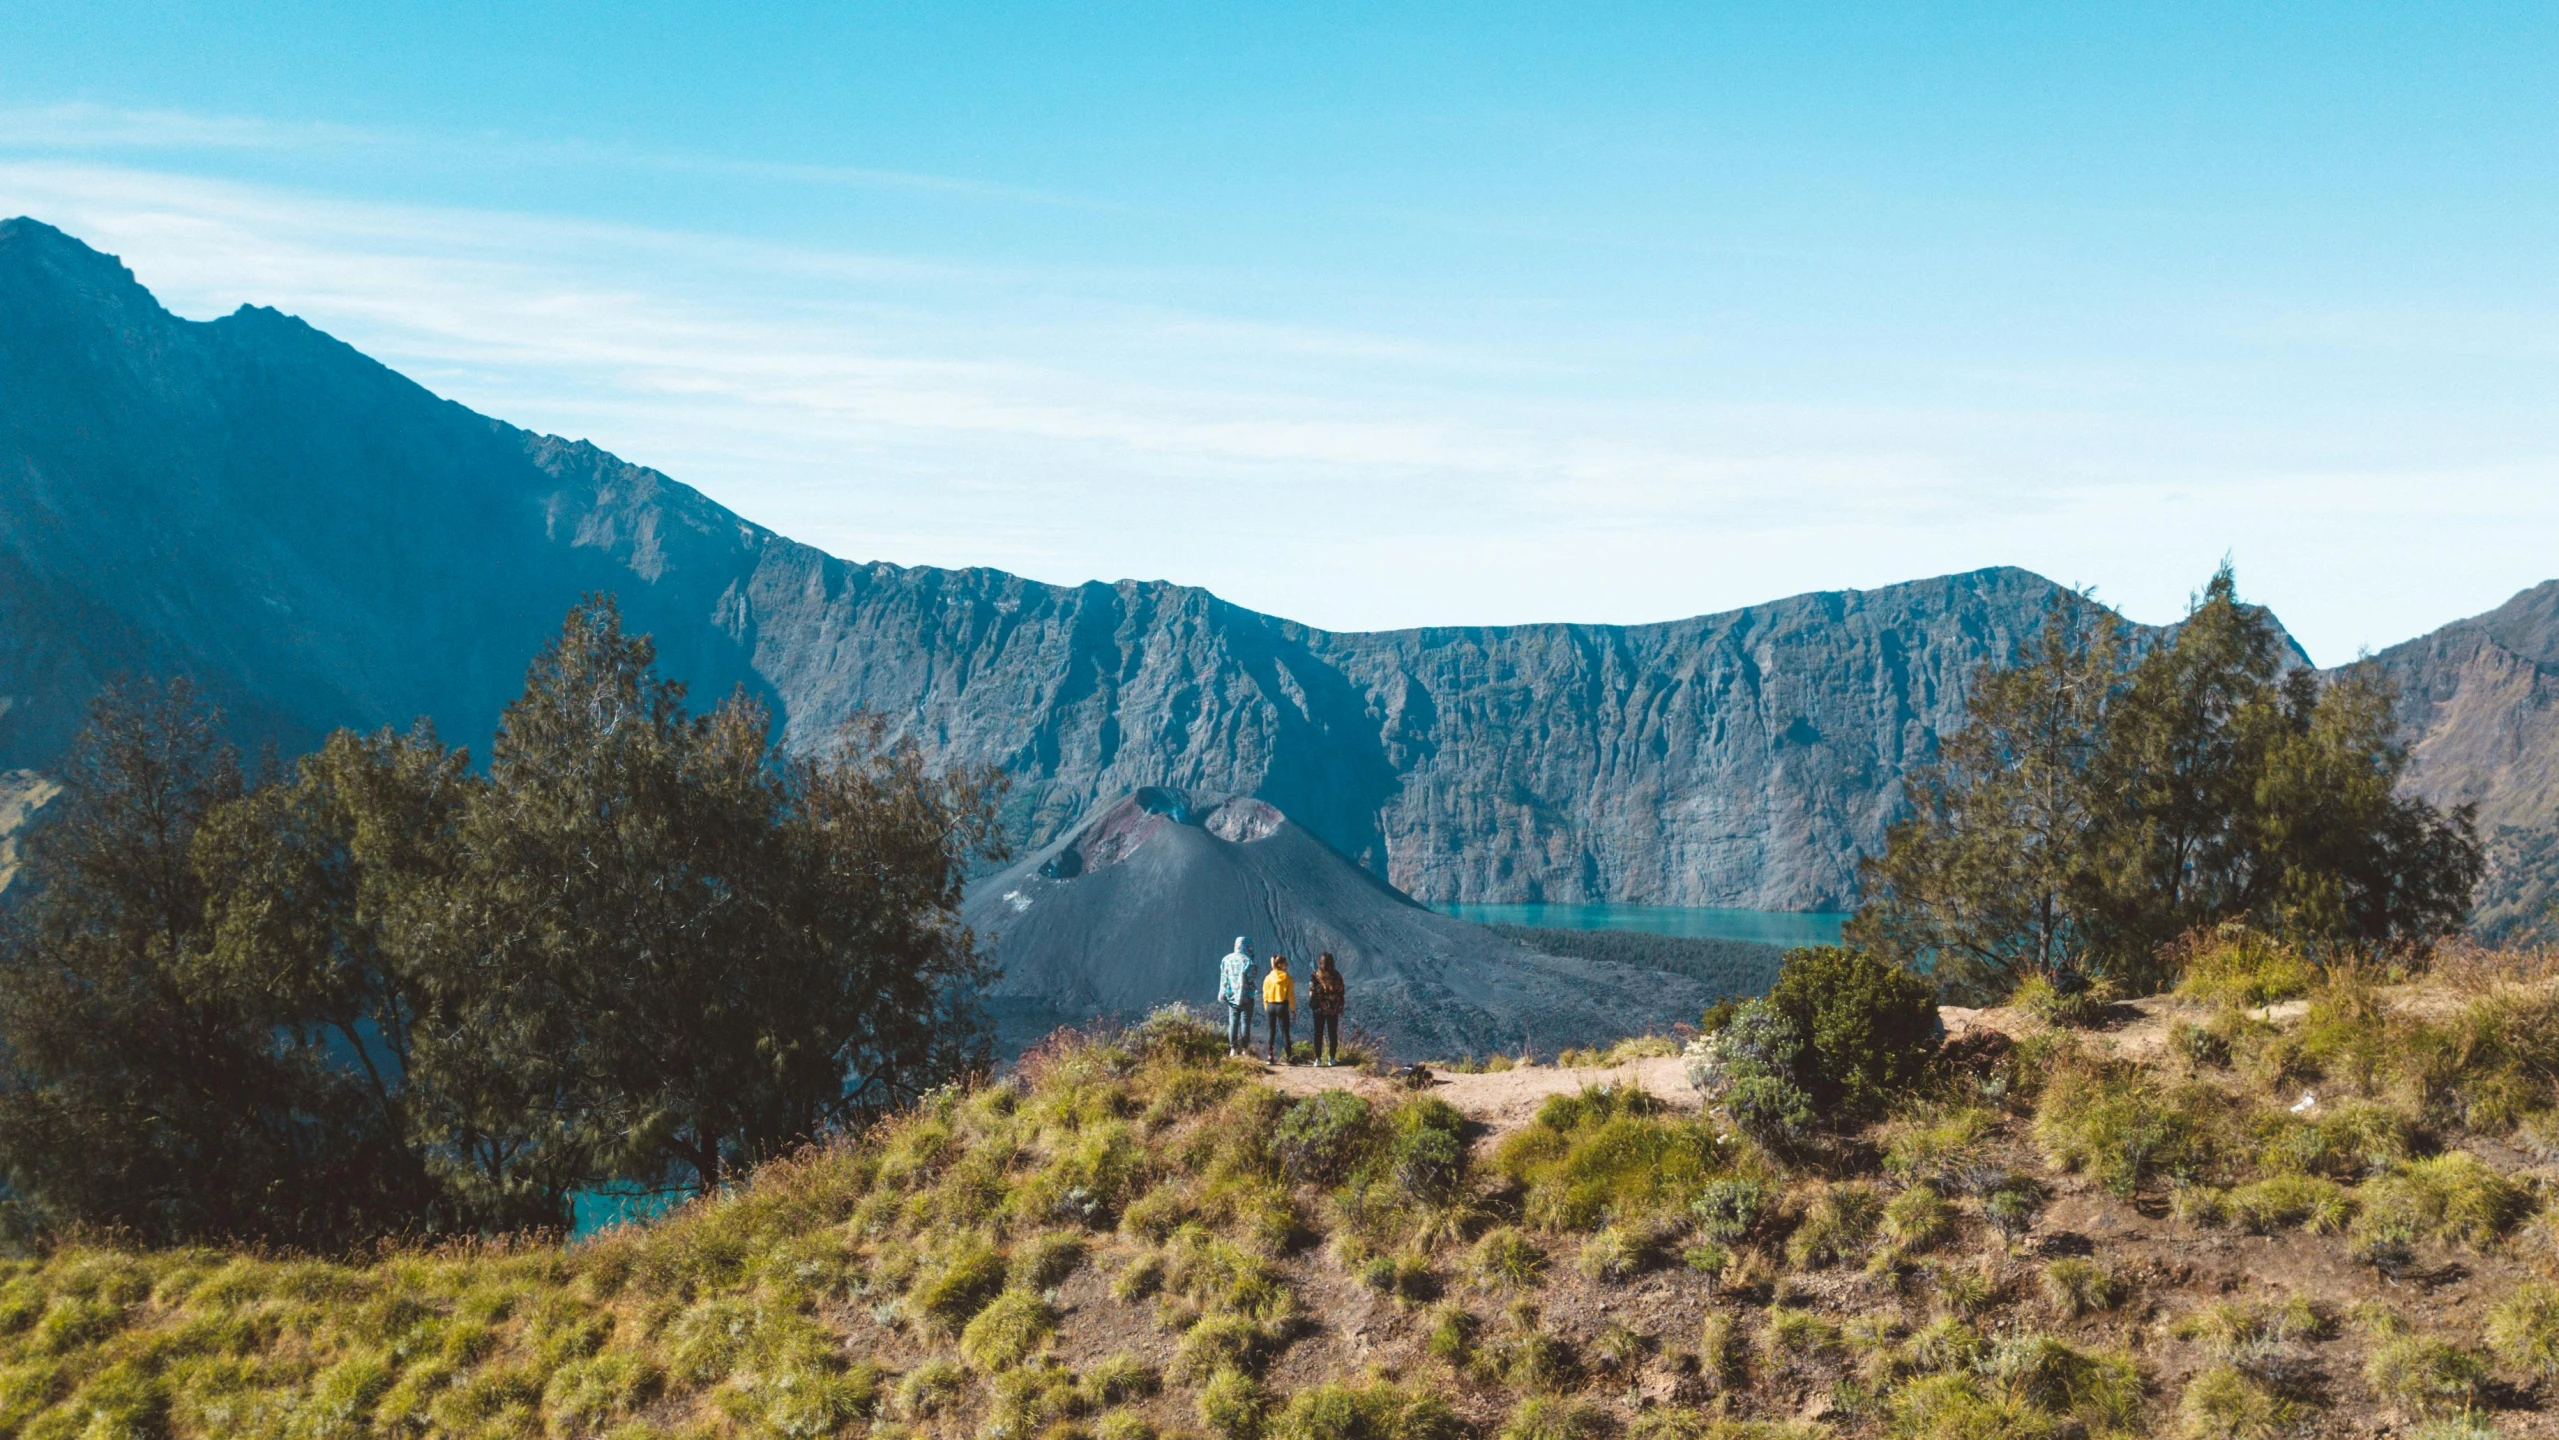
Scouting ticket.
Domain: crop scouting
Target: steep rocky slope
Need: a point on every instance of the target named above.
(322, 542)
(2480, 701)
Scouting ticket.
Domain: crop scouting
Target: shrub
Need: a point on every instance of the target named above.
(1321, 1139)
(2425, 1376)
(1365, 1412)
(1545, 1418)
(2077, 1287)
(2523, 1330)
(2454, 1197)
(1870, 1026)
(1730, 1210)
(1007, 1331)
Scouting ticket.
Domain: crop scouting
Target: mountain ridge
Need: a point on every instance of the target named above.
(324, 542)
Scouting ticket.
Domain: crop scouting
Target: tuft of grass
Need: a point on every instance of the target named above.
(1790, 1331)
(930, 1389)
(1046, 1262)
(1008, 1331)
(2076, 1287)
(2523, 1330)
(2422, 1375)
(1837, 1226)
(2269, 1206)
(1918, 1219)
(1508, 1259)
(1232, 1405)
(1542, 1417)
(1609, 1154)
(1452, 1335)
(1121, 1378)
(2224, 1402)
(2453, 1197)
(1616, 1254)
(2123, 1131)
(2243, 969)
(1365, 1412)
(958, 1283)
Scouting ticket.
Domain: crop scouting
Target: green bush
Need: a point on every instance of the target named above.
(1731, 1210)
(1870, 1027)
(1321, 1139)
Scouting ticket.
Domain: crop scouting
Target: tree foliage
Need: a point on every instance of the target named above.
(2098, 804)
(384, 993)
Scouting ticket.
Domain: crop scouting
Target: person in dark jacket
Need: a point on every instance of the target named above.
(1324, 997)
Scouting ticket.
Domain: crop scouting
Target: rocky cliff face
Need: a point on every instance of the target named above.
(2479, 700)
(323, 543)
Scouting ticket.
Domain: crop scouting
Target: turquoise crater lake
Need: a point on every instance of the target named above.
(1767, 927)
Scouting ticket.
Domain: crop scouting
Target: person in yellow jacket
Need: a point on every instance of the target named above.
(1279, 992)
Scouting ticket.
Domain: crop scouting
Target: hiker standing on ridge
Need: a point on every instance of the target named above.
(1324, 1001)
(1279, 995)
(1235, 991)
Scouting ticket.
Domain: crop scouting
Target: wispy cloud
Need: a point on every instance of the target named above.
(1069, 424)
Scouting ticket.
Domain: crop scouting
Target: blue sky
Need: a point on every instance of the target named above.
(1379, 316)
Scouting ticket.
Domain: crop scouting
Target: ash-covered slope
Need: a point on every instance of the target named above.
(1132, 909)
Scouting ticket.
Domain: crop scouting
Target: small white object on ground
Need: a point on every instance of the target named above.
(2307, 1102)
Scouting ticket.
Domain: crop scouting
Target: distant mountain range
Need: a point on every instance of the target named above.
(321, 542)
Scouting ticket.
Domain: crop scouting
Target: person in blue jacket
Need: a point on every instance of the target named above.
(1235, 991)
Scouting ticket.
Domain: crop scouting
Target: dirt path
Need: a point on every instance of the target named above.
(1506, 1099)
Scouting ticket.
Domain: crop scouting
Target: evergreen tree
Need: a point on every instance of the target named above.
(2095, 808)
(148, 1087)
(1990, 874)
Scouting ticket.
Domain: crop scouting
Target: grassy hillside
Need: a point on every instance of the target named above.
(2135, 1231)
(1727, 967)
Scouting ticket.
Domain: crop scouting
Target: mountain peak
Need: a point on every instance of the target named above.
(40, 264)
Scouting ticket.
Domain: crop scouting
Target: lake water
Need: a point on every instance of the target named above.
(1768, 927)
